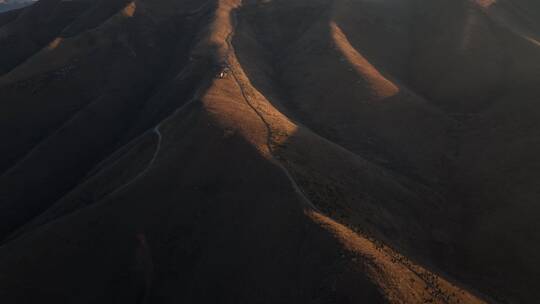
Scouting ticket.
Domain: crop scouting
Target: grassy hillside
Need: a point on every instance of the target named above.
(227, 151)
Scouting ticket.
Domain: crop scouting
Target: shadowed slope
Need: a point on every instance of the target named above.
(227, 151)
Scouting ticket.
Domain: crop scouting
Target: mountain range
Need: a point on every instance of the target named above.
(270, 151)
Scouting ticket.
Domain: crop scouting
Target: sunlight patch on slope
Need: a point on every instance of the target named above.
(400, 279)
(485, 3)
(531, 40)
(232, 94)
(129, 10)
(219, 30)
(381, 86)
(55, 44)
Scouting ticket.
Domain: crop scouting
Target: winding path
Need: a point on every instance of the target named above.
(273, 159)
(429, 278)
(156, 130)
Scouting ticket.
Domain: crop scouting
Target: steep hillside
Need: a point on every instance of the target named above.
(272, 151)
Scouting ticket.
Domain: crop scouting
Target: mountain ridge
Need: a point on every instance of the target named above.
(176, 146)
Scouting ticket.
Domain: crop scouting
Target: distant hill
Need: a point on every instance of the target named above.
(7, 5)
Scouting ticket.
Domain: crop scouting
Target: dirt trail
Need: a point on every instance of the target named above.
(440, 290)
(157, 131)
(229, 54)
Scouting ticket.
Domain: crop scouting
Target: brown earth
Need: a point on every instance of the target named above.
(272, 151)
